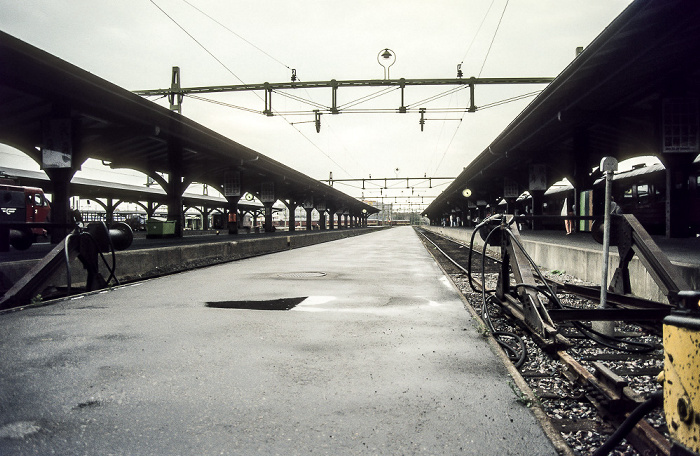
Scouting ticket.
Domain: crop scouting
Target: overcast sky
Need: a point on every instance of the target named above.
(134, 44)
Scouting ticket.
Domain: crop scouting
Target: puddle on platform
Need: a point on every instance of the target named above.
(272, 304)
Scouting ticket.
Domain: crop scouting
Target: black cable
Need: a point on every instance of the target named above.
(477, 31)
(494, 38)
(518, 359)
(67, 257)
(197, 41)
(114, 257)
(471, 249)
(236, 34)
(655, 400)
(600, 338)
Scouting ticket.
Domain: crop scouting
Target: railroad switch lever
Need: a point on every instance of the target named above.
(87, 245)
(97, 239)
(500, 231)
(631, 238)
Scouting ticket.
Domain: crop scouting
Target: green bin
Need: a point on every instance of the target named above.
(159, 227)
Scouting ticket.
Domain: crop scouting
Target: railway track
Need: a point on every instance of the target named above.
(586, 385)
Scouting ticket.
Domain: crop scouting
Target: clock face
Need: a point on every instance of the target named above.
(466, 193)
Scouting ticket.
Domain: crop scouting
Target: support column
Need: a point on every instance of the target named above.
(537, 200)
(267, 197)
(679, 145)
(232, 193)
(60, 201)
(331, 216)
(308, 210)
(109, 212)
(537, 186)
(268, 218)
(205, 218)
(254, 215)
(292, 208)
(678, 168)
(61, 157)
(233, 216)
(175, 186)
(321, 209)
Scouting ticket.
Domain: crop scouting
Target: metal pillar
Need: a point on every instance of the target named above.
(678, 168)
(292, 208)
(175, 185)
(331, 212)
(60, 203)
(205, 218)
(233, 216)
(308, 210)
(109, 212)
(537, 200)
(60, 159)
(268, 218)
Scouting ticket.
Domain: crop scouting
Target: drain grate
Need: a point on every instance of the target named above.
(301, 275)
(273, 304)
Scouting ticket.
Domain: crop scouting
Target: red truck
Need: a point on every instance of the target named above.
(19, 205)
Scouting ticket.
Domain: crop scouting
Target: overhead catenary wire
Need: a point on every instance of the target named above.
(237, 35)
(477, 32)
(495, 33)
(234, 75)
(196, 41)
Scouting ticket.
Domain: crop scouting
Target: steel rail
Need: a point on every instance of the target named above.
(609, 393)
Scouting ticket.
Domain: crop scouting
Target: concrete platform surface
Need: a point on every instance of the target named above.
(379, 357)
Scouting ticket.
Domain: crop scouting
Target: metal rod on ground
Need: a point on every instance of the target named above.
(608, 165)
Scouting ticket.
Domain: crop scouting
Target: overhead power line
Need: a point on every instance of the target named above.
(196, 41)
(237, 35)
(494, 37)
(477, 31)
(234, 75)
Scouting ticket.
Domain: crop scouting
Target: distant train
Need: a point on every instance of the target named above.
(20, 205)
(640, 191)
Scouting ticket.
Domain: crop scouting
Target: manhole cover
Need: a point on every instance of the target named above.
(301, 275)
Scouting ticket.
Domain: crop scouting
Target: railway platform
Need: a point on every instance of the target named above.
(376, 354)
(580, 255)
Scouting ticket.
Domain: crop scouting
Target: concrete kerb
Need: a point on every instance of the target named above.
(133, 265)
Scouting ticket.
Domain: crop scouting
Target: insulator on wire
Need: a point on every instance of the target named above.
(294, 75)
(459, 70)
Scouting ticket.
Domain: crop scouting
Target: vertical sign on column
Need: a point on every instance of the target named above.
(232, 183)
(267, 192)
(57, 150)
(538, 177)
